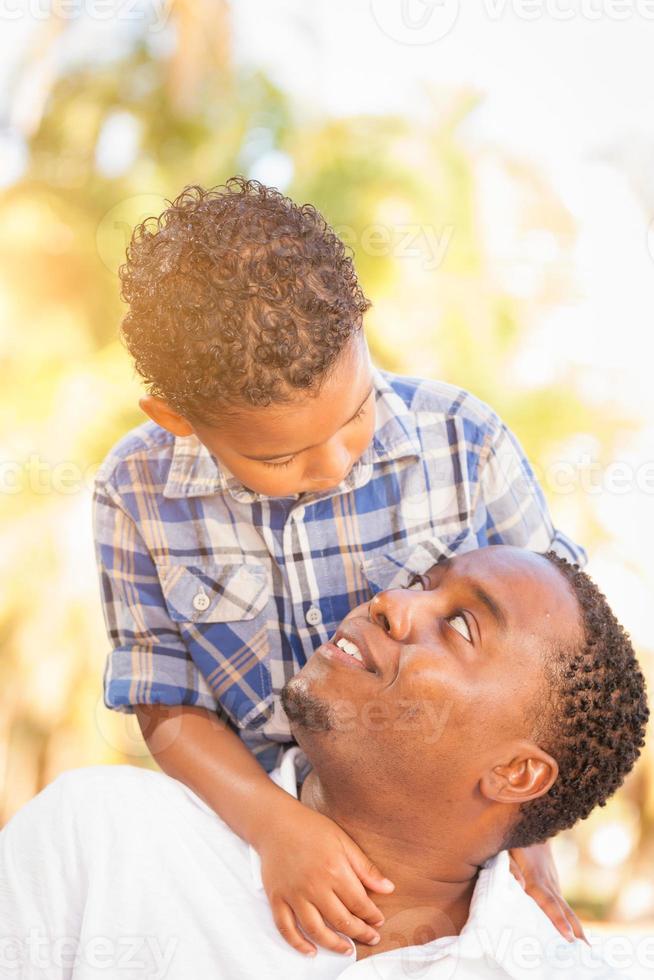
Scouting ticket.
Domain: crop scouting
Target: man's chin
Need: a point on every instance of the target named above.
(303, 709)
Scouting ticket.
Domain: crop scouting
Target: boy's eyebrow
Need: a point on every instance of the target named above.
(268, 459)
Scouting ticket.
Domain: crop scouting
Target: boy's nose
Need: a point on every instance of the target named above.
(332, 466)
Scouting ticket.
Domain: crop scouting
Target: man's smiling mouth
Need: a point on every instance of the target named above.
(346, 650)
(350, 648)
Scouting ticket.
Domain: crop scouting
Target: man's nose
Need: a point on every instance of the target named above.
(391, 610)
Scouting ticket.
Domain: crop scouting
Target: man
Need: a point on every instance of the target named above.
(491, 706)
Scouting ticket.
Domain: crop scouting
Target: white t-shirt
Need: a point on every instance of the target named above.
(118, 872)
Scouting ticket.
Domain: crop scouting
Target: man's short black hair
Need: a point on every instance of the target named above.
(237, 298)
(594, 719)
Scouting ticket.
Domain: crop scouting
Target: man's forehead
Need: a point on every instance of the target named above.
(521, 588)
(496, 561)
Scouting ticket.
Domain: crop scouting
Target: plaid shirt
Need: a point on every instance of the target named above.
(214, 595)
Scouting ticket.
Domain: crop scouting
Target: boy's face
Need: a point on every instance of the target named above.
(306, 446)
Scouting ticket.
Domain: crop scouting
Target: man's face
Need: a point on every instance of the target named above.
(307, 446)
(445, 675)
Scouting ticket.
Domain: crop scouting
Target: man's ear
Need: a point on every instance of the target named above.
(530, 773)
(163, 415)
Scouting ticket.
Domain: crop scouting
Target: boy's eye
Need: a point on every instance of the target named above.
(287, 462)
(417, 582)
(458, 623)
(279, 466)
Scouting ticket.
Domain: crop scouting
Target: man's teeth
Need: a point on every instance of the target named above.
(350, 648)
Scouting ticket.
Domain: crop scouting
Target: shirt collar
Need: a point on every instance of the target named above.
(194, 472)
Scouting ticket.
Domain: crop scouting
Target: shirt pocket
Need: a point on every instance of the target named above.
(393, 568)
(222, 611)
(214, 593)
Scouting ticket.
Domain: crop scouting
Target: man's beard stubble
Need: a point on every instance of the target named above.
(305, 710)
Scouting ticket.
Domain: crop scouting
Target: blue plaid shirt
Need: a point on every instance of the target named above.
(214, 595)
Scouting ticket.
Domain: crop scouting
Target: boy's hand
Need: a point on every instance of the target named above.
(534, 869)
(315, 878)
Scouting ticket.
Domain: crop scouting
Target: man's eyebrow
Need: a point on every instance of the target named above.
(296, 452)
(495, 609)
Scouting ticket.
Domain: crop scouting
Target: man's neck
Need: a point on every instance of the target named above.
(428, 860)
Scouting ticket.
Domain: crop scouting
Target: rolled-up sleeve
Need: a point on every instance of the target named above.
(511, 506)
(148, 662)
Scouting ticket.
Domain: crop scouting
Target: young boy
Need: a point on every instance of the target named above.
(281, 481)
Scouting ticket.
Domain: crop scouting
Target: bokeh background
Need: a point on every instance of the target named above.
(492, 171)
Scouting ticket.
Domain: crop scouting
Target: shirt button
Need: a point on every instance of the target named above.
(201, 601)
(313, 616)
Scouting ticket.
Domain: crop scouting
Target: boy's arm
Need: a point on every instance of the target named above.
(196, 747)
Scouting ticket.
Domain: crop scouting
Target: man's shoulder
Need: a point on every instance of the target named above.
(148, 444)
(108, 790)
(83, 793)
(91, 782)
(442, 401)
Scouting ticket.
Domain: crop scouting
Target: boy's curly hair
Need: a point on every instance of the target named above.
(594, 724)
(237, 297)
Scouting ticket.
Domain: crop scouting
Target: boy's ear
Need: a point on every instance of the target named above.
(529, 773)
(163, 415)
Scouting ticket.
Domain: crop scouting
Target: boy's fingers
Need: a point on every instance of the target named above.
(313, 924)
(517, 872)
(342, 919)
(287, 926)
(368, 873)
(353, 896)
(555, 912)
(577, 927)
(561, 914)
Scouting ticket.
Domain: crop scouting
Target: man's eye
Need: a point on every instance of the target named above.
(417, 582)
(459, 624)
